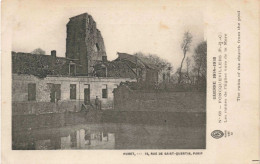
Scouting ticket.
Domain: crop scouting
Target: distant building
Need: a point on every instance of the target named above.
(145, 73)
(165, 75)
(114, 69)
(128, 66)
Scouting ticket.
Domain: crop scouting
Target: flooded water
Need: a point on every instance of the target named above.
(111, 136)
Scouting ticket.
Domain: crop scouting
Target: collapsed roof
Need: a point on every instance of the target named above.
(38, 65)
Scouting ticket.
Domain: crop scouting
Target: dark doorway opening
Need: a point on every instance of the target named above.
(31, 92)
(73, 91)
(55, 94)
(87, 95)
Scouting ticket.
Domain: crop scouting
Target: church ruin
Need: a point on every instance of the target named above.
(84, 44)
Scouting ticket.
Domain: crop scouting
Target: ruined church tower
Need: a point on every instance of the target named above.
(84, 44)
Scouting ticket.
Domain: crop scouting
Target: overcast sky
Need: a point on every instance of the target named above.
(130, 27)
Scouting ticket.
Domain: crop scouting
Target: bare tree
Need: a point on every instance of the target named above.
(38, 51)
(200, 61)
(188, 62)
(185, 46)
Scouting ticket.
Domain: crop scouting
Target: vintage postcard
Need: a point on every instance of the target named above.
(130, 81)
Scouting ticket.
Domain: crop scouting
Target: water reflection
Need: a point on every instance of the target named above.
(110, 136)
(78, 139)
(85, 139)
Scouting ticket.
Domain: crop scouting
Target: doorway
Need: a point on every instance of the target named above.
(55, 94)
(87, 95)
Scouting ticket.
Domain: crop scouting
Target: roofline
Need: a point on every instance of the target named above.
(28, 53)
(64, 76)
(145, 64)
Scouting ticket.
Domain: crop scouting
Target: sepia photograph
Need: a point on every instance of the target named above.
(102, 78)
(96, 78)
(128, 81)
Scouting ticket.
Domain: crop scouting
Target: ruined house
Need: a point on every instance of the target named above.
(113, 69)
(39, 65)
(130, 66)
(47, 83)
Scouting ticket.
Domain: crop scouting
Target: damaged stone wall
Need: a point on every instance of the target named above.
(126, 99)
(84, 42)
(42, 104)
